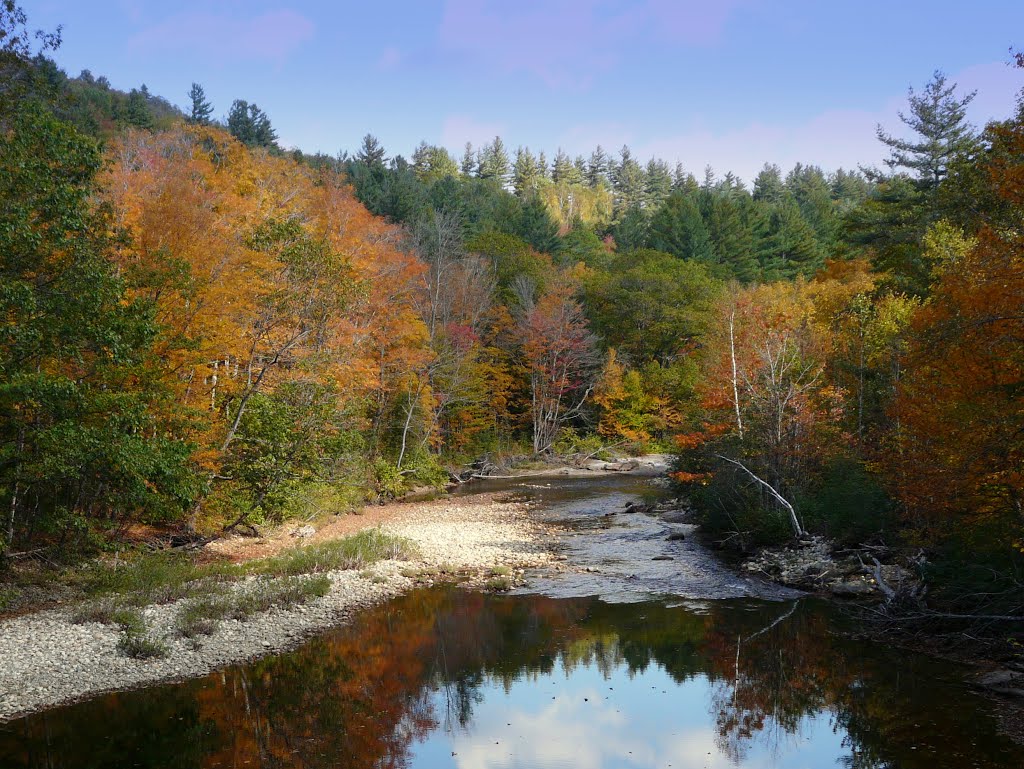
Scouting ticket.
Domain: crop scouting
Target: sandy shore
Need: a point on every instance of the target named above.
(48, 660)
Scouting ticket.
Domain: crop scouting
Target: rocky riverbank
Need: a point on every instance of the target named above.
(49, 659)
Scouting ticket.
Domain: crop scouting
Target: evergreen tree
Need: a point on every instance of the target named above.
(659, 184)
(431, 163)
(371, 152)
(525, 175)
(632, 230)
(732, 236)
(251, 125)
(790, 248)
(813, 195)
(543, 170)
(683, 181)
(768, 185)
(494, 162)
(597, 168)
(629, 183)
(679, 229)
(468, 166)
(561, 169)
(201, 110)
(136, 111)
(536, 226)
(939, 118)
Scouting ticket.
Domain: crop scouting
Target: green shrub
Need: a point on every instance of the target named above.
(847, 504)
(388, 480)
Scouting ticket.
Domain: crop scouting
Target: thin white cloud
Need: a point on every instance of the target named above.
(566, 43)
(839, 138)
(390, 59)
(272, 35)
(459, 129)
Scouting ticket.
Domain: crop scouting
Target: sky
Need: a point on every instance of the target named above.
(731, 83)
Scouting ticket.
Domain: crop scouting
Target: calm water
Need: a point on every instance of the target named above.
(447, 678)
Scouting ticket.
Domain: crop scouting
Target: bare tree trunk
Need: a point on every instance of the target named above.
(735, 385)
(8, 541)
(405, 429)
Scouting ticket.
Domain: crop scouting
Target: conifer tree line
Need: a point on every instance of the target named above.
(257, 334)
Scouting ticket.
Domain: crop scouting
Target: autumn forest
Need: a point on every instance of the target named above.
(204, 331)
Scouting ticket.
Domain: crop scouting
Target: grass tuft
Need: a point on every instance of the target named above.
(354, 552)
(200, 616)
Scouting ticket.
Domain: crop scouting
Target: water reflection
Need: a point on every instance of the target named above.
(444, 678)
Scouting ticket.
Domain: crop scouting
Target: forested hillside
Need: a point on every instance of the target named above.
(203, 330)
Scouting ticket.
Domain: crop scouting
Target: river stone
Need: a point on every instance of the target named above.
(675, 516)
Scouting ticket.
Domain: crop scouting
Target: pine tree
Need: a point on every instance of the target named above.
(136, 110)
(371, 152)
(678, 229)
(732, 237)
(468, 166)
(768, 185)
(939, 119)
(202, 110)
(791, 248)
(629, 183)
(494, 162)
(597, 168)
(525, 176)
(659, 184)
(251, 125)
(561, 168)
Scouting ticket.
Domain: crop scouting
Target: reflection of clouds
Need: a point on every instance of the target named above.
(646, 722)
(592, 734)
(567, 732)
(696, 748)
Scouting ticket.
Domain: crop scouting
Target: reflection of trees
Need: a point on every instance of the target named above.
(363, 696)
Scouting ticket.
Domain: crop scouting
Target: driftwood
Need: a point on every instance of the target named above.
(798, 529)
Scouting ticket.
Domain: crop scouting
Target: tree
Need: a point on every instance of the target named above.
(597, 167)
(85, 432)
(959, 449)
(469, 163)
(678, 229)
(525, 174)
(938, 118)
(629, 182)
(136, 111)
(560, 359)
(431, 163)
(201, 110)
(650, 305)
(251, 125)
(371, 153)
(494, 162)
(768, 185)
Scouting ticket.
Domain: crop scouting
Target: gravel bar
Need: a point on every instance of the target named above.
(48, 660)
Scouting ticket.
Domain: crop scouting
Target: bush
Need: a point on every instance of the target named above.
(847, 504)
(388, 480)
(571, 442)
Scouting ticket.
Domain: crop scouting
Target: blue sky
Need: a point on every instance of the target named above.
(730, 83)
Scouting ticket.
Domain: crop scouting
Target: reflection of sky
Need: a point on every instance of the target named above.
(583, 721)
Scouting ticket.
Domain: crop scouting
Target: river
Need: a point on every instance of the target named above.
(635, 663)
